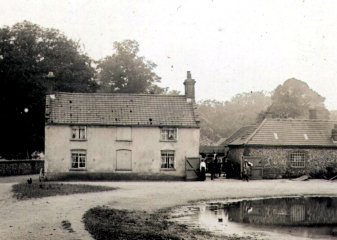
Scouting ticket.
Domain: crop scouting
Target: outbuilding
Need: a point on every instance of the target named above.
(286, 147)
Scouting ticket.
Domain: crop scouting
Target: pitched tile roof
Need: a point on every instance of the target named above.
(120, 109)
(291, 132)
(239, 137)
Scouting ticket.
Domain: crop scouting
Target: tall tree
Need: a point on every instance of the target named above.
(28, 53)
(124, 71)
(294, 98)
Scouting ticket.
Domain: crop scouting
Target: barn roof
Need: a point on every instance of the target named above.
(239, 137)
(288, 132)
(120, 109)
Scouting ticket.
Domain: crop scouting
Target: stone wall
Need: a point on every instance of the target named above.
(20, 167)
(276, 160)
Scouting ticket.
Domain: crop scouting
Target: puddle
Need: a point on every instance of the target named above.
(275, 218)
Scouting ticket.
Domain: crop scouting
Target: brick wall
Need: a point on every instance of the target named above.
(20, 167)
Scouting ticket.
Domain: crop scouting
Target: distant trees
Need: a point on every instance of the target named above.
(126, 72)
(28, 53)
(221, 119)
(294, 98)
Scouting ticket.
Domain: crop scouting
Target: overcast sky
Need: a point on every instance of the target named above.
(229, 46)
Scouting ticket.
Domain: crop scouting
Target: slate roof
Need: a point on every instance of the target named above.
(120, 109)
(289, 132)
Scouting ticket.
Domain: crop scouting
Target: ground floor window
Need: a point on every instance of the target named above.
(167, 159)
(78, 159)
(297, 159)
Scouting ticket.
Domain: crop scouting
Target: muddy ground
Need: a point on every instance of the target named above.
(44, 218)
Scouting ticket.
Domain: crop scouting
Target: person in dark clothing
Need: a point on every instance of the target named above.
(212, 169)
(219, 166)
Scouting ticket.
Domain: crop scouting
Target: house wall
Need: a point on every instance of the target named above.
(276, 161)
(101, 146)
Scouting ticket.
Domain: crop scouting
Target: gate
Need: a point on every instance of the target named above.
(192, 168)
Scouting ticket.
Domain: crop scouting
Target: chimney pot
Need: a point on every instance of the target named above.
(312, 114)
(334, 134)
(189, 75)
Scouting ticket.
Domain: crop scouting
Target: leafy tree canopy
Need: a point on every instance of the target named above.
(124, 71)
(294, 98)
(28, 53)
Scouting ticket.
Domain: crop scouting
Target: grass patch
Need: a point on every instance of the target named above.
(104, 223)
(34, 190)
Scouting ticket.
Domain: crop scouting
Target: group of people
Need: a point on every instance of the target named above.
(214, 166)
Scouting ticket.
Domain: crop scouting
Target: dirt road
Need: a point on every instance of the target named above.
(41, 218)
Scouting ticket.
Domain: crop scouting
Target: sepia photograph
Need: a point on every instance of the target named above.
(168, 120)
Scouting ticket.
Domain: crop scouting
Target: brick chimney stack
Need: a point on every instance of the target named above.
(189, 87)
(334, 133)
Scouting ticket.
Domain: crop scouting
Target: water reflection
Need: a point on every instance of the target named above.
(286, 211)
(305, 217)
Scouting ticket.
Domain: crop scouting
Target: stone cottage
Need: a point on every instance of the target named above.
(286, 147)
(145, 134)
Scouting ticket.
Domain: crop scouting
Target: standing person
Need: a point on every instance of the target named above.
(219, 166)
(246, 170)
(213, 166)
(202, 170)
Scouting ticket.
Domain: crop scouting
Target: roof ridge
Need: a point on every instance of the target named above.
(301, 120)
(110, 94)
(256, 130)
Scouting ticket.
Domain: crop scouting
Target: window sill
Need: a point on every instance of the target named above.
(168, 169)
(123, 140)
(78, 169)
(296, 167)
(167, 140)
(78, 140)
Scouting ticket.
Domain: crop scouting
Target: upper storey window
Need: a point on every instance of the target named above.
(168, 134)
(79, 133)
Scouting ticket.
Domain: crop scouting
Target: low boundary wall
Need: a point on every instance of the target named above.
(20, 167)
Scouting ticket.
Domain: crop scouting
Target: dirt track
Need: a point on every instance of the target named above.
(41, 218)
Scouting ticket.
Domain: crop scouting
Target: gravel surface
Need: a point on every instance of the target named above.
(42, 218)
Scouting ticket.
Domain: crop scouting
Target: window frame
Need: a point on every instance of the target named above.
(298, 159)
(164, 134)
(79, 152)
(166, 162)
(77, 130)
